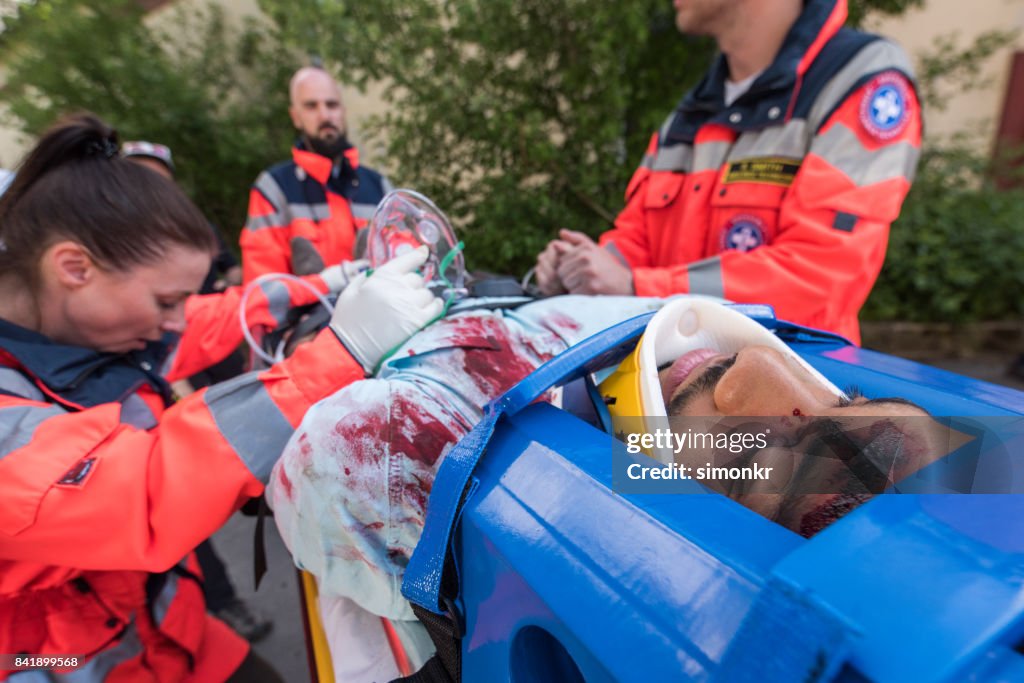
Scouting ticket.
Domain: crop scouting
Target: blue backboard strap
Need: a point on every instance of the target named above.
(423, 576)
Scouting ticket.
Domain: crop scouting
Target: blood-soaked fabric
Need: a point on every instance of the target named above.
(350, 493)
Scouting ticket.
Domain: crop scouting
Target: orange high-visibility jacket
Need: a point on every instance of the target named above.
(312, 200)
(213, 326)
(786, 196)
(107, 488)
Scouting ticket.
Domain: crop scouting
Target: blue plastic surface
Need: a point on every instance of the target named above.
(695, 587)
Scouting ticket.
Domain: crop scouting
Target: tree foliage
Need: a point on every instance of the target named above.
(516, 116)
(216, 96)
(956, 254)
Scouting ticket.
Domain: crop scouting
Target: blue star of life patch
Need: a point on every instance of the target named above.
(743, 233)
(884, 109)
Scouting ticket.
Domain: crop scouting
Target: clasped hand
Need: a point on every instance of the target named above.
(575, 264)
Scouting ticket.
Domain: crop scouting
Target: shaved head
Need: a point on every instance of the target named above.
(313, 74)
(317, 111)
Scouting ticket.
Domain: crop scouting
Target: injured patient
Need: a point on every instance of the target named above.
(350, 493)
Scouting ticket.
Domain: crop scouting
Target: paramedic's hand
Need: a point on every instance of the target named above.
(546, 270)
(589, 269)
(378, 312)
(340, 276)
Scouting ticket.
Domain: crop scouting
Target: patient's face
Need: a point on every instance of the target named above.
(760, 382)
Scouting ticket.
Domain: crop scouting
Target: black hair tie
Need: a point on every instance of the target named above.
(104, 146)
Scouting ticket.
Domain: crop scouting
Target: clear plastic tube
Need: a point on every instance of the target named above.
(242, 318)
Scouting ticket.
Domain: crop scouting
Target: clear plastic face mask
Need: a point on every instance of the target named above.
(403, 221)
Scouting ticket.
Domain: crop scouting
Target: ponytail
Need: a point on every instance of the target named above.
(74, 185)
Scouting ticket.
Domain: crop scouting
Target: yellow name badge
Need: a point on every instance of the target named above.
(771, 170)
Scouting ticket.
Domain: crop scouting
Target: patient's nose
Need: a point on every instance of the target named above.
(764, 382)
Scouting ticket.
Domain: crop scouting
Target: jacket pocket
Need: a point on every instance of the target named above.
(662, 189)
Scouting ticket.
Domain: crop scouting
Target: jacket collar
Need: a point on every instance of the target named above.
(779, 84)
(82, 377)
(319, 167)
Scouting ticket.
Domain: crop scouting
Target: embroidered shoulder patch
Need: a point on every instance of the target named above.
(771, 170)
(884, 108)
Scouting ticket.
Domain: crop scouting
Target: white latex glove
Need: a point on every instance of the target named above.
(341, 275)
(378, 312)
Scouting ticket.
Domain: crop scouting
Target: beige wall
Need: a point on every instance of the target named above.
(977, 110)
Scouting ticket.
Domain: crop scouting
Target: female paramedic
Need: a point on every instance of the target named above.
(106, 486)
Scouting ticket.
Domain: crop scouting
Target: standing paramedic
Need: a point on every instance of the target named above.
(305, 213)
(776, 178)
(107, 486)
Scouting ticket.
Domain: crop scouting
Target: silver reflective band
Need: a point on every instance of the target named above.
(271, 191)
(706, 277)
(790, 140)
(18, 384)
(363, 210)
(18, 425)
(271, 220)
(249, 421)
(878, 56)
(312, 212)
(674, 158)
(841, 148)
(709, 156)
(279, 300)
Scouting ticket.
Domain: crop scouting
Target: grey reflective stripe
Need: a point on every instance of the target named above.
(706, 277)
(875, 57)
(279, 300)
(18, 425)
(135, 412)
(841, 148)
(364, 211)
(162, 603)
(647, 161)
(250, 421)
(614, 251)
(95, 670)
(33, 676)
(271, 220)
(674, 158)
(99, 667)
(709, 155)
(311, 212)
(273, 193)
(385, 184)
(13, 382)
(790, 140)
(666, 126)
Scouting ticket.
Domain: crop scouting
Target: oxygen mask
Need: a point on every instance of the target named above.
(405, 220)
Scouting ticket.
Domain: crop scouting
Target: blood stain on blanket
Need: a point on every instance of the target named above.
(560, 322)
(495, 372)
(414, 431)
(286, 483)
(361, 432)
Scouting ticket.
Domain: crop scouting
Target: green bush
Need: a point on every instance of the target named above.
(956, 253)
(216, 96)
